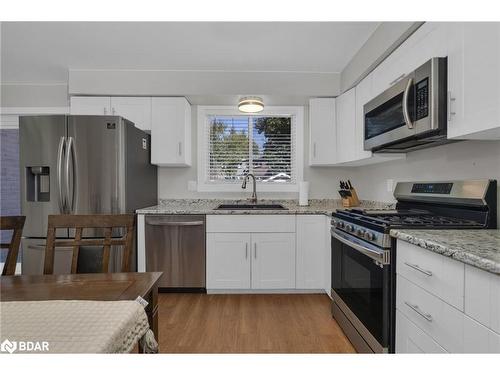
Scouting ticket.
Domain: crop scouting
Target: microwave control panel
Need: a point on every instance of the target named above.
(422, 99)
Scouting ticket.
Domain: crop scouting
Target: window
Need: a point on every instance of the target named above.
(264, 144)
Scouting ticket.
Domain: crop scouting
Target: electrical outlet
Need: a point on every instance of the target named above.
(192, 186)
(390, 185)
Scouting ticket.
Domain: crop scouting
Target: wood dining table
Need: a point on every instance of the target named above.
(90, 286)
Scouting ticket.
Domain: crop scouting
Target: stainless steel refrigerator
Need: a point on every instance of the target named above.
(80, 165)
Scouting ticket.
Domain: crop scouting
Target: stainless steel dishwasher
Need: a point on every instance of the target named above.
(175, 245)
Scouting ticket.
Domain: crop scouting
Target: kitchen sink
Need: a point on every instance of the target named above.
(250, 206)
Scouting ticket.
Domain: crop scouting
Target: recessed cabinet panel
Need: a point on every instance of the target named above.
(273, 260)
(171, 132)
(311, 255)
(322, 132)
(228, 261)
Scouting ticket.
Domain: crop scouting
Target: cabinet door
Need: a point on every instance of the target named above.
(346, 126)
(171, 132)
(273, 260)
(474, 80)
(228, 261)
(90, 105)
(363, 96)
(137, 110)
(310, 251)
(322, 132)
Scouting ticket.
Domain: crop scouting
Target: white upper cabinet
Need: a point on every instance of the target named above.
(322, 132)
(171, 132)
(364, 94)
(346, 126)
(474, 80)
(135, 109)
(427, 42)
(90, 105)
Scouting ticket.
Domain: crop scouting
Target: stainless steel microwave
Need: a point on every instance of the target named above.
(411, 114)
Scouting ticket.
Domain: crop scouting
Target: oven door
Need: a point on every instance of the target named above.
(388, 117)
(361, 290)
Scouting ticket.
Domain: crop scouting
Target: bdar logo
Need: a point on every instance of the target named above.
(8, 346)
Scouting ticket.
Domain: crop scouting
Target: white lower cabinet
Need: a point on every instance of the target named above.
(442, 304)
(228, 261)
(273, 260)
(411, 339)
(311, 251)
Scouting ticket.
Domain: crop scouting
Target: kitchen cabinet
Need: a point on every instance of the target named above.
(430, 40)
(228, 261)
(346, 126)
(135, 109)
(443, 304)
(90, 105)
(273, 260)
(248, 252)
(171, 132)
(312, 251)
(322, 132)
(474, 80)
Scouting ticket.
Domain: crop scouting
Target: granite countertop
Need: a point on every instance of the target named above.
(207, 206)
(479, 247)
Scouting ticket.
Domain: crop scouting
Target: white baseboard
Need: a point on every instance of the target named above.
(266, 291)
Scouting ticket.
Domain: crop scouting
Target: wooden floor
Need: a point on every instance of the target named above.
(249, 323)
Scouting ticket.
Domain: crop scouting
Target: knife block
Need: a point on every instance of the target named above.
(352, 201)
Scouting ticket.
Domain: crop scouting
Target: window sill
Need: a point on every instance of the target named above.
(237, 188)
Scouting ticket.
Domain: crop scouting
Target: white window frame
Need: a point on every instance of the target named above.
(204, 112)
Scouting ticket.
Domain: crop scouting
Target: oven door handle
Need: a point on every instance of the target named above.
(381, 257)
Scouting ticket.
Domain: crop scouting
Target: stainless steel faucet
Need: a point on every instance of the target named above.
(244, 186)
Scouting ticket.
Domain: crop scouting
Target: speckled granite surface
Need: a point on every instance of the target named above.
(479, 248)
(207, 206)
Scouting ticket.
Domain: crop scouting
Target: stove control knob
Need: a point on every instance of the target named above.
(360, 232)
(334, 223)
(340, 224)
(369, 236)
(349, 228)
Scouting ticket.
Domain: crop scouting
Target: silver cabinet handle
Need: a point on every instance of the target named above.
(398, 78)
(180, 148)
(255, 250)
(174, 223)
(105, 111)
(113, 111)
(406, 112)
(415, 308)
(246, 250)
(450, 100)
(418, 268)
(60, 151)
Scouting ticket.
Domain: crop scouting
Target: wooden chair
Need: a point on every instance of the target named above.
(81, 222)
(15, 223)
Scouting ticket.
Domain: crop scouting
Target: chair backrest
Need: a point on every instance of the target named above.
(81, 222)
(16, 224)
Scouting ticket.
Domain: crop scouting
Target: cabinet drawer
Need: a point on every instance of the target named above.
(439, 275)
(251, 223)
(439, 320)
(482, 297)
(479, 339)
(411, 339)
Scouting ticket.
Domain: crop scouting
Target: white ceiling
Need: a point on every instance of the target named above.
(44, 51)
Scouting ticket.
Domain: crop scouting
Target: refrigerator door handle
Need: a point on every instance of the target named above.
(71, 154)
(61, 197)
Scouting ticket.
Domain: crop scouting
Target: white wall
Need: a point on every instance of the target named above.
(460, 160)
(173, 182)
(34, 95)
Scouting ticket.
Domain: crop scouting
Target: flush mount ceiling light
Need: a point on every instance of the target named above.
(251, 104)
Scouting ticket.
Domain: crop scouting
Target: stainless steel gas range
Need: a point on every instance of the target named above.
(363, 253)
